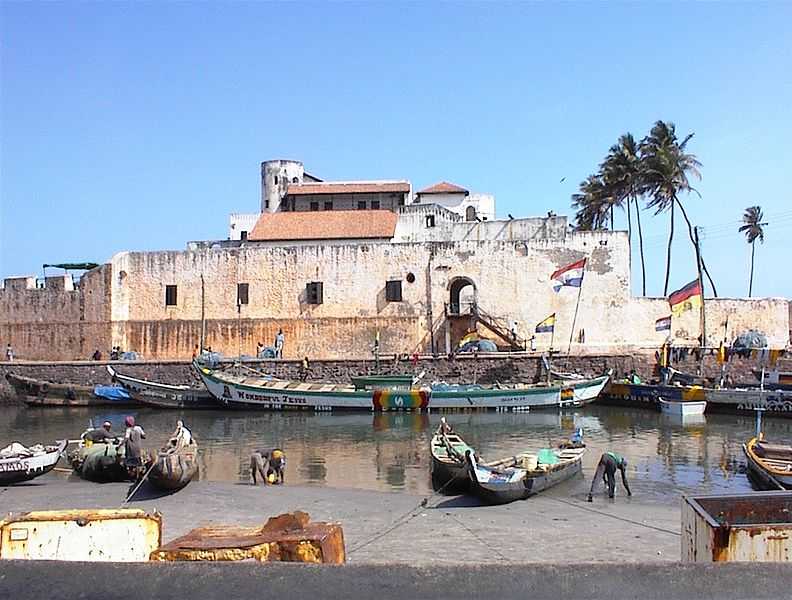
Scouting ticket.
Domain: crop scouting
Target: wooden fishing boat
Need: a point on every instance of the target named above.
(255, 392)
(19, 463)
(449, 469)
(100, 462)
(521, 476)
(174, 468)
(35, 392)
(682, 408)
(163, 395)
(770, 465)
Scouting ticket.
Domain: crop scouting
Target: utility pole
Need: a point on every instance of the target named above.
(703, 313)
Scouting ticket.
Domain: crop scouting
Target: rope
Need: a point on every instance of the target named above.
(626, 520)
(406, 517)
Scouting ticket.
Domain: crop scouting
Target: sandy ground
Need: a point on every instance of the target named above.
(392, 528)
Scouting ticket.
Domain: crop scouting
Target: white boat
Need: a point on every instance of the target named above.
(18, 463)
(253, 392)
(682, 408)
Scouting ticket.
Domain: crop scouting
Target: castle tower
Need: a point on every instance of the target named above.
(276, 175)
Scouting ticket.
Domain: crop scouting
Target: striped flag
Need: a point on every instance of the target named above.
(686, 298)
(547, 325)
(663, 324)
(571, 275)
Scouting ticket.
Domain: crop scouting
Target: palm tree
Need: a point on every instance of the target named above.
(666, 167)
(623, 175)
(593, 204)
(753, 229)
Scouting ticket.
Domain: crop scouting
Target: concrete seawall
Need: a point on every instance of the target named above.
(503, 368)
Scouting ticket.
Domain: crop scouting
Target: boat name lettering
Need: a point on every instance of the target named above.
(12, 466)
(271, 399)
(772, 405)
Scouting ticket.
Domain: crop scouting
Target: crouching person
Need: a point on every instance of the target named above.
(606, 471)
(268, 465)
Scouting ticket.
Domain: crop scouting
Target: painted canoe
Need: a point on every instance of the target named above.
(163, 395)
(449, 470)
(769, 465)
(174, 469)
(21, 467)
(35, 392)
(741, 401)
(251, 392)
(519, 477)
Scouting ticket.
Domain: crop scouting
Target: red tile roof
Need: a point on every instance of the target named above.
(444, 188)
(324, 225)
(352, 187)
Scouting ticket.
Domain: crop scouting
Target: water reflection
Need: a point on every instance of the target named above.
(390, 451)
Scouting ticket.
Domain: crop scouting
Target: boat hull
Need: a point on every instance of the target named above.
(16, 470)
(100, 462)
(764, 476)
(258, 393)
(34, 392)
(683, 409)
(524, 484)
(161, 395)
(776, 403)
(449, 475)
(172, 472)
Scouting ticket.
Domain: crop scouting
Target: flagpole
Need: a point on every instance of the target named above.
(577, 305)
(552, 334)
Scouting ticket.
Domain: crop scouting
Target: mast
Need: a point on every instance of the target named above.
(203, 315)
(701, 288)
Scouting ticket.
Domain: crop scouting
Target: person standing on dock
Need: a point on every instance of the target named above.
(279, 340)
(9, 353)
(606, 470)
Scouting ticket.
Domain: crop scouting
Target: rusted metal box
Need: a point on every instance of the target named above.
(289, 538)
(113, 535)
(745, 527)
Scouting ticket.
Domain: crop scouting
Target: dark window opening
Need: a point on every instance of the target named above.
(314, 206)
(410, 278)
(328, 206)
(401, 200)
(243, 235)
(170, 295)
(361, 205)
(430, 220)
(295, 180)
(242, 293)
(375, 204)
(314, 292)
(276, 180)
(393, 291)
(470, 213)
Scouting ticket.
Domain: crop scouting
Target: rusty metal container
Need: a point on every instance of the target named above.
(289, 538)
(745, 527)
(112, 535)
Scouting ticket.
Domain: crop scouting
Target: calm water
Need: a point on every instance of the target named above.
(389, 452)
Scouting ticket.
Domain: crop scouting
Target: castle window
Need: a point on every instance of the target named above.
(361, 205)
(430, 220)
(328, 206)
(314, 293)
(295, 180)
(276, 180)
(470, 213)
(243, 235)
(375, 204)
(170, 295)
(242, 293)
(393, 290)
(314, 206)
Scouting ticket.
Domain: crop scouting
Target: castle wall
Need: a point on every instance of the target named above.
(56, 321)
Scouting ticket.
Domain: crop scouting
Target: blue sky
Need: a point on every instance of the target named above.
(140, 126)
